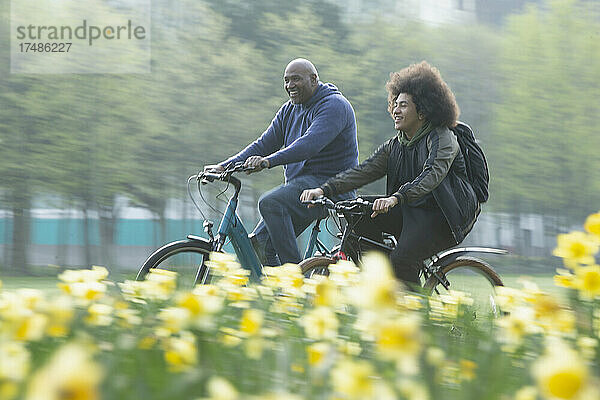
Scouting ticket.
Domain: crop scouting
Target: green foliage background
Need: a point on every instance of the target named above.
(527, 85)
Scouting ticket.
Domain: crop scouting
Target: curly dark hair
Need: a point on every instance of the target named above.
(431, 95)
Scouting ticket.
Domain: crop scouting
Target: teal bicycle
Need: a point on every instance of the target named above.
(188, 256)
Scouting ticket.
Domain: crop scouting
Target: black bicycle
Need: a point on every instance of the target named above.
(453, 269)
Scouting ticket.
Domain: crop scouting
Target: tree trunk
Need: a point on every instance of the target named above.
(87, 246)
(107, 236)
(20, 239)
(21, 204)
(63, 234)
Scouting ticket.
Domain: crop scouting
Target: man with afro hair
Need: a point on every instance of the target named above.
(429, 204)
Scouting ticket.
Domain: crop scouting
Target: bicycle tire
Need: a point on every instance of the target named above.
(172, 249)
(316, 266)
(465, 274)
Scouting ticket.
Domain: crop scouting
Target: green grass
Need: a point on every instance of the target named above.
(42, 283)
(48, 284)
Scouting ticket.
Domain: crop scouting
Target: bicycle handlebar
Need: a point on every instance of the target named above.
(357, 205)
(210, 176)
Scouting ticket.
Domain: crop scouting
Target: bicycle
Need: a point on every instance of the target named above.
(188, 256)
(451, 269)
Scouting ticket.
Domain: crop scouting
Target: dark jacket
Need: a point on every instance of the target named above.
(430, 172)
(315, 138)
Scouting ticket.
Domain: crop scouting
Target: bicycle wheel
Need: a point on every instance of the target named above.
(473, 276)
(316, 266)
(186, 257)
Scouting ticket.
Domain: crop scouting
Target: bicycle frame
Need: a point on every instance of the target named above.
(232, 227)
(314, 241)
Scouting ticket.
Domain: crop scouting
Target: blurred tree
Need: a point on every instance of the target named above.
(247, 20)
(544, 147)
(216, 83)
(495, 12)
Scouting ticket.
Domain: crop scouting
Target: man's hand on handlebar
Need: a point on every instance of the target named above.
(256, 163)
(381, 206)
(310, 194)
(213, 168)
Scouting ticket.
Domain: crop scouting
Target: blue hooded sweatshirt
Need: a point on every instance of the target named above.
(315, 138)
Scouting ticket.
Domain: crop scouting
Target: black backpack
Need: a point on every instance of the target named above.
(477, 170)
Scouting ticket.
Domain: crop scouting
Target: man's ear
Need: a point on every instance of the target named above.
(313, 79)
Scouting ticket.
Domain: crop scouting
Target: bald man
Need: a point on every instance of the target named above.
(313, 136)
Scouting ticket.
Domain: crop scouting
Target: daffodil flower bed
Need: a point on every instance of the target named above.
(357, 334)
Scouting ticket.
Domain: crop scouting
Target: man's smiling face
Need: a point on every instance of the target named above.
(299, 83)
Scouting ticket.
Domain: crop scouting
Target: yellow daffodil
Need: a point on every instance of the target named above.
(561, 373)
(378, 287)
(412, 390)
(180, 351)
(435, 356)
(229, 337)
(564, 278)
(8, 390)
(71, 373)
(286, 305)
(95, 274)
(587, 347)
(174, 319)
(344, 273)
(254, 346)
(251, 321)
(398, 338)
(516, 325)
(575, 248)
(30, 327)
(562, 322)
(326, 292)
(14, 361)
(592, 224)
(133, 291)
(99, 315)
(348, 348)
(128, 317)
(202, 302)
(353, 379)
(287, 278)
(320, 323)
(587, 281)
(292, 276)
(509, 298)
(222, 264)
(31, 299)
(526, 393)
(85, 284)
(544, 305)
(88, 291)
(162, 281)
(221, 389)
(316, 353)
(237, 294)
(467, 369)
(60, 314)
(451, 304)
(412, 302)
(238, 277)
(146, 343)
